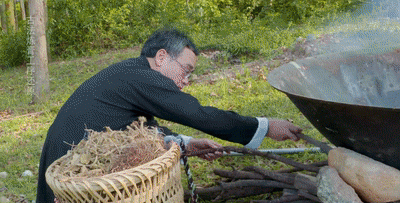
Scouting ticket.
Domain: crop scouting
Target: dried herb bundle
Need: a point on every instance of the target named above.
(112, 151)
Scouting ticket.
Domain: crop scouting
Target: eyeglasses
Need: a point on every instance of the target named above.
(186, 69)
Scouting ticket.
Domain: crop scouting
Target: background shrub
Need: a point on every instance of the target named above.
(85, 27)
(13, 48)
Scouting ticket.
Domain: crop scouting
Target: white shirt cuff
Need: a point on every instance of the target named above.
(177, 139)
(259, 136)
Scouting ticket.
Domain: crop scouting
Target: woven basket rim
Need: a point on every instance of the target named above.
(169, 157)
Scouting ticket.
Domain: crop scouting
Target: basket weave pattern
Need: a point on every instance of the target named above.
(156, 181)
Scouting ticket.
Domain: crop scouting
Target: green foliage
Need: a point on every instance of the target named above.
(249, 96)
(302, 10)
(86, 27)
(238, 26)
(22, 133)
(13, 48)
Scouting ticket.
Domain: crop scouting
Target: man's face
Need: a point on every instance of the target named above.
(179, 69)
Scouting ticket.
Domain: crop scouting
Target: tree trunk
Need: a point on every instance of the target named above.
(45, 12)
(15, 14)
(10, 14)
(46, 24)
(26, 5)
(41, 74)
(22, 3)
(3, 16)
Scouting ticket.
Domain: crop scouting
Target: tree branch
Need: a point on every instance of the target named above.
(257, 153)
(229, 191)
(282, 177)
(238, 174)
(291, 170)
(285, 199)
(324, 147)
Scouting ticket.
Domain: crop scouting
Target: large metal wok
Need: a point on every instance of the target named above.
(353, 99)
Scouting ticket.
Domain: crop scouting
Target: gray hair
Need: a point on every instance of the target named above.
(170, 39)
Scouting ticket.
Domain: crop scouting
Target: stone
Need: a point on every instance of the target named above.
(299, 39)
(27, 173)
(3, 174)
(310, 38)
(332, 188)
(3, 188)
(372, 180)
(4, 199)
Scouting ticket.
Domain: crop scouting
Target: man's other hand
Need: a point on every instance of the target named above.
(282, 130)
(202, 144)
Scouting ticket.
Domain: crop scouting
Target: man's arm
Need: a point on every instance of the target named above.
(160, 97)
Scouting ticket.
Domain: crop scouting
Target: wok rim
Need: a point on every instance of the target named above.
(346, 54)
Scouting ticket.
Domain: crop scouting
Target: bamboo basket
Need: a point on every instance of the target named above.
(156, 181)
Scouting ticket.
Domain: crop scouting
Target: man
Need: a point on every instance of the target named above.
(150, 86)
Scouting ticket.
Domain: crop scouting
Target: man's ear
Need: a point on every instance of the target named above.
(161, 57)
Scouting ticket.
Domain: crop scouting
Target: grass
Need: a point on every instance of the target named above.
(248, 96)
(23, 127)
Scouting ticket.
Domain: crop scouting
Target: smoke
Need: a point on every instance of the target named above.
(373, 28)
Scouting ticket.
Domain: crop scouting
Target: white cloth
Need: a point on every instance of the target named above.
(259, 136)
(254, 143)
(177, 139)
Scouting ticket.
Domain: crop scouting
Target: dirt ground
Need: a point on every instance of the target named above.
(302, 49)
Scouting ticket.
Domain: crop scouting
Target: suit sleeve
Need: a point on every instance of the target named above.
(157, 95)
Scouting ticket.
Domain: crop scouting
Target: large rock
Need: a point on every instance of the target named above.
(3, 174)
(27, 173)
(332, 188)
(372, 180)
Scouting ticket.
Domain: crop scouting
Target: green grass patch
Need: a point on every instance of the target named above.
(23, 127)
(248, 96)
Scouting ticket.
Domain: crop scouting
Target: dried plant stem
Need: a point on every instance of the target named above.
(112, 151)
(258, 153)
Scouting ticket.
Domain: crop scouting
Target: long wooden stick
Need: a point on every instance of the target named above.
(289, 198)
(291, 170)
(324, 147)
(281, 177)
(257, 153)
(305, 194)
(257, 183)
(212, 193)
(236, 174)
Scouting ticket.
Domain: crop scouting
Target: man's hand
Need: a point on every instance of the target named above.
(202, 144)
(282, 130)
